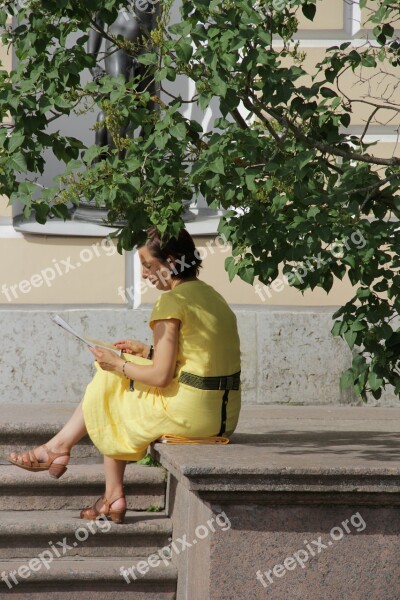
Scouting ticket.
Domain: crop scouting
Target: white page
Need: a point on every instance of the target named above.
(60, 321)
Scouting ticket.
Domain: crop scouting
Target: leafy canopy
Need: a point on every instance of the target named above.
(303, 189)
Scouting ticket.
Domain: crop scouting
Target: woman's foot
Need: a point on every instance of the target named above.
(117, 505)
(113, 507)
(42, 458)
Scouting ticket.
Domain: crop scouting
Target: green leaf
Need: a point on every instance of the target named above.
(150, 58)
(279, 202)
(350, 337)
(363, 293)
(178, 131)
(17, 162)
(230, 267)
(41, 212)
(336, 329)
(217, 166)
(60, 211)
(345, 119)
(309, 11)
(374, 381)
(328, 92)
(346, 379)
(247, 274)
(184, 51)
(313, 211)
(16, 140)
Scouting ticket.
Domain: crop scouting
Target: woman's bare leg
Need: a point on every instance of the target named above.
(114, 473)
(64, 440)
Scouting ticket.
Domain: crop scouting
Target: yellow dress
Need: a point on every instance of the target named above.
(122, 423)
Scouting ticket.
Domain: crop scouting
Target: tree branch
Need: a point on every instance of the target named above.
(239, 119)
(371, 116)
(368, 188)
(327, 149)
(194, 99)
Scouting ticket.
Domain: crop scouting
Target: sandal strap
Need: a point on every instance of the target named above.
(100, 500)
(53, 455)
(26, 459)
(33, 460)
(108, 503)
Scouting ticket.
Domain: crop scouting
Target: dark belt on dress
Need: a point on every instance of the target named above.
(224, 382)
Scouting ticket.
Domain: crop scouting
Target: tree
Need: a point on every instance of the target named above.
(301, 191)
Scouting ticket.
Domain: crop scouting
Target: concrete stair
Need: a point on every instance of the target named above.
(29, 533)
(29, 425)
(55, 554)
(90, 578)
(78, 487)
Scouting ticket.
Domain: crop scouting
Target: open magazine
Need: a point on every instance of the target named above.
(88, 341)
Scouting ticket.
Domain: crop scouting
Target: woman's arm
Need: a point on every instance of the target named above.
(161, 372)
(133, 347)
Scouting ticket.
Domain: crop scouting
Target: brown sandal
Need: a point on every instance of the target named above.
(31, 463)
(91, 512)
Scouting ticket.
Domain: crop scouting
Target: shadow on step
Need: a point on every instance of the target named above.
(370, 445)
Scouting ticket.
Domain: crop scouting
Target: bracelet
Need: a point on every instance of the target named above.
(131, 383)
(151, 352)
(123, 369)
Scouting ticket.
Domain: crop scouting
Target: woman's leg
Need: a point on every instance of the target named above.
(114, 474)
(64, 440)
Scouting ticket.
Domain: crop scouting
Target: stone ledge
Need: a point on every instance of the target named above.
(277, 453)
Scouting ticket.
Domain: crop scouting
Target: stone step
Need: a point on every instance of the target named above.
(80, 486)
(62, 532)
(88, 579)
(24, 426)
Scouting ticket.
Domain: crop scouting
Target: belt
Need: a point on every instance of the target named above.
(224, 382)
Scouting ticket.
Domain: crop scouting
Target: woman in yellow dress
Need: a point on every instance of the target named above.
(187, 383)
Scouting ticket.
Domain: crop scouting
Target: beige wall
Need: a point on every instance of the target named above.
(5, 58)
(42, 270)
(330, 15)
(5, 210)
(5, 62)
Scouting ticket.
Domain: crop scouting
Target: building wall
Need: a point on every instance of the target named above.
(47, 270)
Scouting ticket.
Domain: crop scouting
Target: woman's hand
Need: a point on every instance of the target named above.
(133, 347)
(107, 359)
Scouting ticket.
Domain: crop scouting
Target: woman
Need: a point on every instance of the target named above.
(186, 383)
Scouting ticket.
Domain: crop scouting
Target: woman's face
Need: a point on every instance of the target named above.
(157, 272)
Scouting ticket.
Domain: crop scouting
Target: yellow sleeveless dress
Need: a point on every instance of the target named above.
(122, 423)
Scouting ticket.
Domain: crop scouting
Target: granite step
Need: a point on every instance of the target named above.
(24, 426)
(28, 533)
(78, 487)
(88, 579)
(39, 516)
